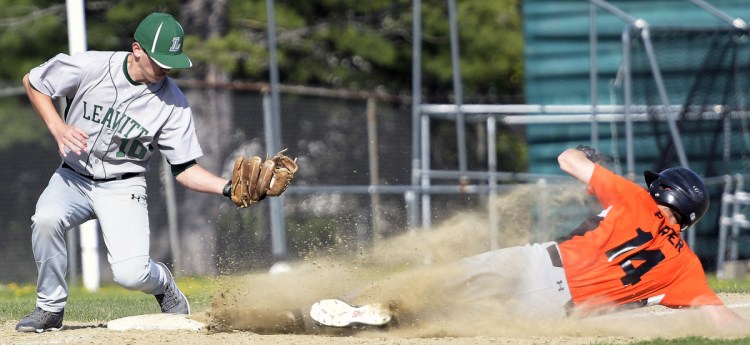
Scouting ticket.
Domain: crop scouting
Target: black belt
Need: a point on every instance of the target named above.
(554, 255)
(121, 177)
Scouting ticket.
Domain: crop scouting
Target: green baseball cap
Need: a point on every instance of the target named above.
(161, 36)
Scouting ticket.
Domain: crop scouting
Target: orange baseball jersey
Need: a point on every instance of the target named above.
(630, 254)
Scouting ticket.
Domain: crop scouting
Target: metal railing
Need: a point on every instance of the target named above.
(732, 221)
(528, 114)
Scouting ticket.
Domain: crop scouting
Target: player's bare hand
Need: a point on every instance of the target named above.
(72, 138)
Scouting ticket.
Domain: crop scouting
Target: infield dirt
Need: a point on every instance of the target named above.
(268, 308)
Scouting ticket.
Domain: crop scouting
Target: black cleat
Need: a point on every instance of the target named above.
(40, 321)
(172, 301)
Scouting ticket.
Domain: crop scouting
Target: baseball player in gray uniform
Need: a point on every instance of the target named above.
(121, 108)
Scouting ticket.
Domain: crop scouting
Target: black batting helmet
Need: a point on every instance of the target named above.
(682, 190)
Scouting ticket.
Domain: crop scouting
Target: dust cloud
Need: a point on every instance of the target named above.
(412, 273)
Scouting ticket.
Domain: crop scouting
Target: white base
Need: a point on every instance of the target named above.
(168, 322)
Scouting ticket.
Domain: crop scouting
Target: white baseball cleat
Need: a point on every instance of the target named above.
(337, 313)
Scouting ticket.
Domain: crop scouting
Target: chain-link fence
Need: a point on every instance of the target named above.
(327, 134)
(333, 138)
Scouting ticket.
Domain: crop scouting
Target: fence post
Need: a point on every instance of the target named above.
(738, 219)
(372, 134)
(426, 197)
(724, 222)
(278, 227)
(416, 85)
(536, 231)
(492, 166)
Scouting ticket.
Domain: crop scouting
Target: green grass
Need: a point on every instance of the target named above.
(729, 286)
(694, 341)
(113, 301)
(110, 302)
(719, 286)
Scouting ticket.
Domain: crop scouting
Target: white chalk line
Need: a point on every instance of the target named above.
(670, 311)
(667, 312)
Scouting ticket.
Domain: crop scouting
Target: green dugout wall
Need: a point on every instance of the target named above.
(704, 62)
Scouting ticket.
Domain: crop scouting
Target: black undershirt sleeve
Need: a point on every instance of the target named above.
(179, 168)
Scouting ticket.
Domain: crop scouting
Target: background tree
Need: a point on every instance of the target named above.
(366, 45)
(205, 20)
(342, 44)
(359, 45)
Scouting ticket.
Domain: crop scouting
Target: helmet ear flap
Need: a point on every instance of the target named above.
(677, 216)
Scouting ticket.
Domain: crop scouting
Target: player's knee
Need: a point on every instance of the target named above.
(46, 223)
(132, 274)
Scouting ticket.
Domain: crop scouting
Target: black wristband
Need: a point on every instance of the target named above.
(227, 190)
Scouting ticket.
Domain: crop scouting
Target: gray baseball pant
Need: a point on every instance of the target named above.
(121, 209)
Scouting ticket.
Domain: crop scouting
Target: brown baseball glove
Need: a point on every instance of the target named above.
(284, 169)
(253, 178)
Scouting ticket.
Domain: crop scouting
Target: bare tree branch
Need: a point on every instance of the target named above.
(34, 15)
